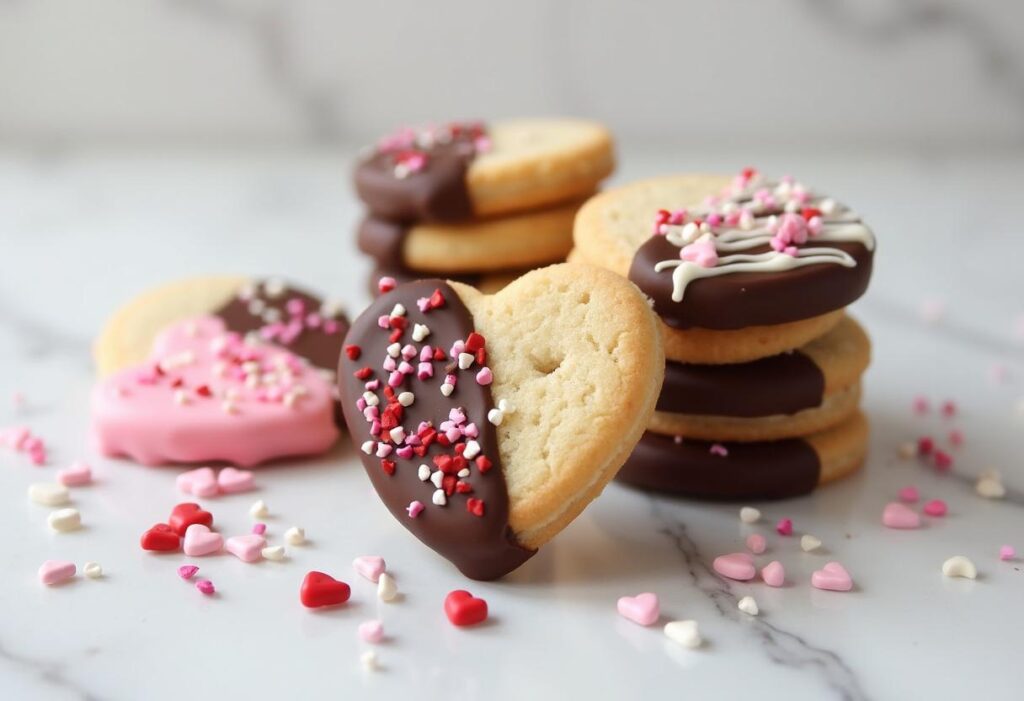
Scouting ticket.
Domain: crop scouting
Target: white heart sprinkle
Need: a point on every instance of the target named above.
(436, 478)
(465, 360)
(368, 447)
(295, 536)
(959, 566)
(259, 509)
(748, 606)
(423, 473)
(990, 488)
(387, 589)
(64, 520)
(495, 416)
(398, 310)
(406, 398)
(369, 661)
(809, 543)
(439, 497)
(908, 450)
(472, 450)
(395, 350)
(92, 570)
(419, 332)
(48, 494)
(506, 407)
(464, 472)
(686, 633)
(273, 552)
(447, 389)
(748, 514)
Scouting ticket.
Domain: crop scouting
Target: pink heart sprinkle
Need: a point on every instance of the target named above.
(371, 631)
(774, 574)
(259, 528)
(909, 494)
(56, 571)
(935, 507)
(735, 566)
(200, 540)
(76, 475)
(369, 566)
(898, 515)
(187, 571)
(414, 509)
(232, 480)
(205, 586)
(756, 543)
(784, 526)
(832, 577)
(200, 482)
(1007, 552)
(247, 548)
(643, 609)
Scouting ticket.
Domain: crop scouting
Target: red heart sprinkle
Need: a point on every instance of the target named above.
(481, 356)
(448, 484)
(439, 354)
(463, 487)
(204, 391)
(436, 299)
(353, 351)
(363, 373)
(184, 515)
(475, 342)
(475, 506)
(388, 466)
(319, 589)
(444, 464)
(464, 609)
(160, 538)
(483, 463)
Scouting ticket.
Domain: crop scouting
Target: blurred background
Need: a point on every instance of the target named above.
(825, 74)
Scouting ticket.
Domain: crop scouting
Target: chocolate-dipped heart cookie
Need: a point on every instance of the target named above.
(487, 423)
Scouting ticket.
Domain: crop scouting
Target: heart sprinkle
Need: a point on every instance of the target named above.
(415, 508)
(259, 528)
(832, 577)
(187, 571)
(92, 570)
(464, 609)
(899, 515)
(990, 485)
(643, 609)
(160, 538)
(909, 494)
(56, 571)
(371, 631)
(959, 566)
(748, 606)
(205, 586)
(247, 548)
(748, 514)
(1006, 552)
(65, 520)
(295, 536)
(77, 475)
(273, 552)
(387, 589)
(370, 567)
(49, 494)
(319, 589)
(185, 515)
(369, 661)
(231, 480)
(200, 482)
(756, 543)
(774, 574)
(784, 527)
(259, 509)
(738, 566)
(809, 543)
(935, 507)
(200, 540)
(686, 633)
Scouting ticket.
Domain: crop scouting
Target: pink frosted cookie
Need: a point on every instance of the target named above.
(205, 394)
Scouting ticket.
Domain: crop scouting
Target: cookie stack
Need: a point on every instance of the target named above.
(474, 202)
(750, 278)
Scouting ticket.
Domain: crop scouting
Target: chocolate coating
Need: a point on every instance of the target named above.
(320, 347)
(780, 384)
(439, 192)
(768, 470)
(382, 240)
(482, 547)
(739, 300)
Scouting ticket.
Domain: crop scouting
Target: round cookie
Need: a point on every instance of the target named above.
(457, 172)
(245, 304)
(733, 471)
(488, 283)
(496, 419)
(760, 267)
(523, 240)
(782, 396)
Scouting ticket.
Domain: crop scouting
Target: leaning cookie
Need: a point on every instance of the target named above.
(523, 240)
(782, 396)
(764, 470)
(488, 422)
(207, 394)
(737, 270)
(457, 172)
(275, 310)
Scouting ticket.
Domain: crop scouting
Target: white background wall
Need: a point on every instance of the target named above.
(820, 74)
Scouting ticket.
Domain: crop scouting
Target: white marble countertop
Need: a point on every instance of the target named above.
(79, 234)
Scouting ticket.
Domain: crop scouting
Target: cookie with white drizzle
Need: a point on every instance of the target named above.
(486, 423)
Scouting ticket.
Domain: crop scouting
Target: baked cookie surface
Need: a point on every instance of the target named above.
(459, 171)
(520, 406)
(760, 470)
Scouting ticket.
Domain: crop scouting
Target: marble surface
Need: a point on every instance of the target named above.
(80, 233)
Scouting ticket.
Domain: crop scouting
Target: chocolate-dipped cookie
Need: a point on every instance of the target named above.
(486, 423)
(275, 310)
(734, 471)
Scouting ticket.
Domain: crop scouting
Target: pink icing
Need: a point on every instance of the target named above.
(176, 407)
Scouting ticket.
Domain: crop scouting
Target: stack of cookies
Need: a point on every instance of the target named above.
(750, 278)
(474, 202)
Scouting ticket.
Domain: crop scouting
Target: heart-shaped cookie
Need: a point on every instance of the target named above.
(504, 414)
(207, 394)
